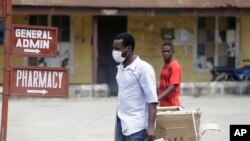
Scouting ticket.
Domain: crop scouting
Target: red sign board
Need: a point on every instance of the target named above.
(34, 41)
(39, 81)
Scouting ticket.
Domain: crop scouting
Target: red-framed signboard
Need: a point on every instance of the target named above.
(34, 41)
(39, 81)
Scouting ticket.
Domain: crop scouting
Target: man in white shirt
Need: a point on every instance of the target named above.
(137, 93)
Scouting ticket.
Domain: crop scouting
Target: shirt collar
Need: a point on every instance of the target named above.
(172, 61)
(132, 66)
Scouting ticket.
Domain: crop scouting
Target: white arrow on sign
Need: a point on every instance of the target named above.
(32, 50)
(43, 91)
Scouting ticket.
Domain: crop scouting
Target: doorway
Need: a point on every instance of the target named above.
(108, 28)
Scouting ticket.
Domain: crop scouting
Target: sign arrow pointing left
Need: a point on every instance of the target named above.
(43, 91)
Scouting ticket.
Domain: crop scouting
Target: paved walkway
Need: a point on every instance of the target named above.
(92, 119)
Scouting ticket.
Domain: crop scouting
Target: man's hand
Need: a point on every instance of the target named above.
(151, 134)
(169, 90)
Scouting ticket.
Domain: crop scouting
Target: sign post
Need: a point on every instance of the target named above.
(7, 6)
(1, 8)
(29, 81)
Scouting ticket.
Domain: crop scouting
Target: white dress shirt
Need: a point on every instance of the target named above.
(136, 88)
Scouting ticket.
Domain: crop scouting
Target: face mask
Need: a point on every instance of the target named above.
(117, 55)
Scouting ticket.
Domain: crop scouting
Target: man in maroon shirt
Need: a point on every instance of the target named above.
(170, 78)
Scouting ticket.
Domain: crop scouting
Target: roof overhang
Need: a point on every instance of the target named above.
(56, 10)
(132, 7)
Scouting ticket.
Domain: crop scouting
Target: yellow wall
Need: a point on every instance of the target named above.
(18, 19)
(82, 50)
(147, 31)
(15, 60)
(244, 39)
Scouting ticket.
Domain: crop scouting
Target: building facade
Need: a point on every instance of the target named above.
(205, 34)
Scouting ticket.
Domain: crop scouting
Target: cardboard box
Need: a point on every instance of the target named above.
(175, 124)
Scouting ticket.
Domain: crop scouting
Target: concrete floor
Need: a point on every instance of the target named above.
(93, 119)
